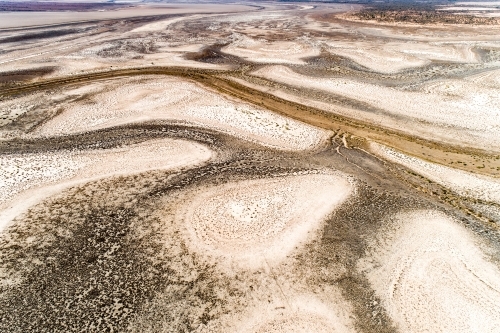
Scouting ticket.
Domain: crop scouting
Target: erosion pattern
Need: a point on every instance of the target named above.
(233, 220)
(432, 267)
(267, 167)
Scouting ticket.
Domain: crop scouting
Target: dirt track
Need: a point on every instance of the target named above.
(356, 132)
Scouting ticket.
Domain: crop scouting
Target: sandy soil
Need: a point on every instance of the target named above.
(432, 277)
(142, 99)
(225, 209)
(92, 46)
(256, 223)
(263, 51)
(391, 57)
(164, 24)
(303, 313)
(11, 110)
(490, 79)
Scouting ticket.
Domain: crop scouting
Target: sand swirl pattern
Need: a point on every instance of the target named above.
(299, 314)
(26, 179)
(432, 277)
(136, 100)
(257, 221)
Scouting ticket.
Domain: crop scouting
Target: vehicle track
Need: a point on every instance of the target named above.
(224, 81)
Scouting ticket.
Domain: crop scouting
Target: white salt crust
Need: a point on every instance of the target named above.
(138, 100)
(254, 223)
(432, 277)
(463, 183)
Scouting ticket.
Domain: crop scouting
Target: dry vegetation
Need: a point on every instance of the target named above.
(421, 16)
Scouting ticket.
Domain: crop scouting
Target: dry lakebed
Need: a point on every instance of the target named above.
(262, 167)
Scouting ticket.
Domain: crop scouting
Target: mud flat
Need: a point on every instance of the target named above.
(259, 222)
(180, 101)
(206, 170)
(26, 179)
(469, 117)
(464, 183)
(432, 275)
(263, 51)
(24, 19)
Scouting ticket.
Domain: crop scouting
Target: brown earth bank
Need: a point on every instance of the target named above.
(356, 132)
(419, 16)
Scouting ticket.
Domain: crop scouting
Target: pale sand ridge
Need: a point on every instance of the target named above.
(470, 115)
(26, 179)
(263, 51)
(138, 100)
